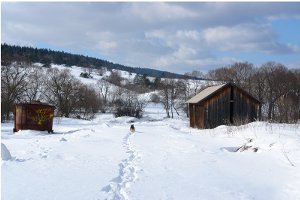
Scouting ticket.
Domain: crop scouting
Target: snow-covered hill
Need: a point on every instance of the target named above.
(76, 71)
(163, 159)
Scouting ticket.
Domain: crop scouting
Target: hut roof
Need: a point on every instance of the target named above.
(34, 103)
(206, 93)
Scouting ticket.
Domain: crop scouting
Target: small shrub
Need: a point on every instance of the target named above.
(155, 98)
(132, 109)
(85, 75)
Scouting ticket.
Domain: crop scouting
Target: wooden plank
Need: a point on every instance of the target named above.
(192, 115)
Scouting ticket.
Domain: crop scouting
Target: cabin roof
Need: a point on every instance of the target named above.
(205, 93)
(209, 91)
(34, 103)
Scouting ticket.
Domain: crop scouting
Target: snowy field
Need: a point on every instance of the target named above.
(164, 159)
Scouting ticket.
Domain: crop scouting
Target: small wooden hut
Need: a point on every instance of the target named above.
(33, 116)
(222, 105)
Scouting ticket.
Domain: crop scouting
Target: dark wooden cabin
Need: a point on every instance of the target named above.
(33, 116)
(222, 105)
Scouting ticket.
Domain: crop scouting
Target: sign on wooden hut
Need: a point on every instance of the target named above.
(222, 105)
(34, 116)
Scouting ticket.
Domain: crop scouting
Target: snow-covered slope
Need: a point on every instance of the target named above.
(163, 159)
(76, 71)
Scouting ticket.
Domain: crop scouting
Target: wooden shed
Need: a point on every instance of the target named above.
(222, 105)
(33, 116)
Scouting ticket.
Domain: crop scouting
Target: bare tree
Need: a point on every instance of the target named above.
(34, 83)
(277, 84)
(170, 96)
(117, 94)
(103, 88)
(242, 73)
(259, 89)
(115, 78)
(277, 88)
(238, 73)
(194, 85)
(224, 74)
(13, 87)
(180, 97)
(62, 89)
(165, 96)
(296, 91)
(88, 104)
(286, 106)
(101, 71)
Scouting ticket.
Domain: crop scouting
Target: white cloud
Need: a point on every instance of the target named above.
(160, 11)
(245, 37)
(184, 52)
(203, 64)
(293, 47)
(174, 39)
(183, 46)
(280, 16)
(179, 55)
(105, 45)
(103, 40)
(159, 34)
(188, 34)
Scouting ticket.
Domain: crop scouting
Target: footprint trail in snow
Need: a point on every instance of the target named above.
(118, 189)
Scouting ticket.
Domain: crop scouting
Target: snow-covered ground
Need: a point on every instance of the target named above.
(163, 159)
(76, 71)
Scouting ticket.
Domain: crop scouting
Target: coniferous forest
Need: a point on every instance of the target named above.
(47, 56)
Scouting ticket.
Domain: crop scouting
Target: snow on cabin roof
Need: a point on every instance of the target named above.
(35, 103)
(205, 93)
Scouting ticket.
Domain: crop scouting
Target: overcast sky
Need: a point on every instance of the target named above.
(177, 37)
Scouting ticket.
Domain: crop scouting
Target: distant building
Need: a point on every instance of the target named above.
(33, 116)
(222, 105)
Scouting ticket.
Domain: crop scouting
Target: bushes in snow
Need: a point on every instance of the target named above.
(85, 75)
(124, 109)
(128, 104)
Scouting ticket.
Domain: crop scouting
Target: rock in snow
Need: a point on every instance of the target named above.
(5, 154)
(63, 140)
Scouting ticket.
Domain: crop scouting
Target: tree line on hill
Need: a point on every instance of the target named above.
(273, 84)
(47, 56)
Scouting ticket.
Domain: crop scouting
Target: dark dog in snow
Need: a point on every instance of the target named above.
(132, 129)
